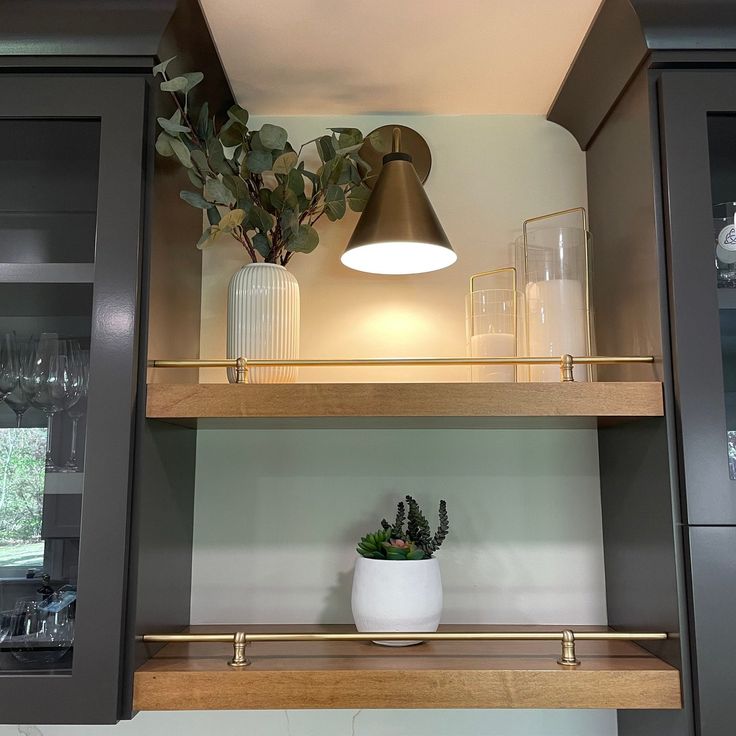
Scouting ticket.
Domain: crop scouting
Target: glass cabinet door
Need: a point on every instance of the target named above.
(70, 225)
(698, 128)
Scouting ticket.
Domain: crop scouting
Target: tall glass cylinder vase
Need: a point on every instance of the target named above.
(263, 321)
(491, 322)
(557, 296)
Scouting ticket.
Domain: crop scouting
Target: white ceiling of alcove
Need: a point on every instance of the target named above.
(303, 57)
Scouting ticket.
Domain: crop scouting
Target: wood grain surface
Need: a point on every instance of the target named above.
(442, 674)
(215, 400)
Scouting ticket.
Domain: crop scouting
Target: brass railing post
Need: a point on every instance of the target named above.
(566, 365)
(239, 643)
(568, 658)
(241, 370)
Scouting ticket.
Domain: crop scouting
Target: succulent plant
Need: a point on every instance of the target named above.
(409, 537)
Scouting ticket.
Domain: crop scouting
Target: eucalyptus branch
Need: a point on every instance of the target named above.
(184, 116)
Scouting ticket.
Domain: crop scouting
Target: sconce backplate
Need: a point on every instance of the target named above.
(378, 144)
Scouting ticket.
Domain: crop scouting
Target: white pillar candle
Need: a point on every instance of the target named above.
(557, 324)
(493, 345)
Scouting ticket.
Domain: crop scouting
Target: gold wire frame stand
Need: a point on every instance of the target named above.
(566, 363)
(514, 299)
(567, 638)
(586, 234)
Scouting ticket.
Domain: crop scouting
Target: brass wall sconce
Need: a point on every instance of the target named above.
(398, 231)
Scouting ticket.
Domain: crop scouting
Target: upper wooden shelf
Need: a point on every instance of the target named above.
(480, 401)
(47, 273)
(439, 674)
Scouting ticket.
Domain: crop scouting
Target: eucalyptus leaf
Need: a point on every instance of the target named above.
(272, 136)
(305, 240)
(236, 185)
(289, 222)
(213, 215)
(181, 152)
(325, 148)
(232, 219)
(216, 157)
(203, 120)
(231, 135)
(261, 244)
(358, 197)
(258, 161)
(161, 67)
(230, 152)
(259, 219)
(216, 191)
(239, 114)
(193, 79)
(195, 178)
(173, 126)
(265, 197)
(208, 236)
(177, 84)
(348, 139)
(295, 182)
(200, 161)
(334, 202)
(163, 144)
(284, 163)
(195, 199)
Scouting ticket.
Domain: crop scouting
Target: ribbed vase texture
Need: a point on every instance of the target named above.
(263, 320)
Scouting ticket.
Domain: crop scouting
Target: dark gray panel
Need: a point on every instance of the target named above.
(686, 98)
(626, 255)
(91, 693)
(62, 513)
(713, 570)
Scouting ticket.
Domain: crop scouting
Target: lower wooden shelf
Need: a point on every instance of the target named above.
(441, 674)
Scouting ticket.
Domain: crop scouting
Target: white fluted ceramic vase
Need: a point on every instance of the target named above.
(263, 320)
(397, 595)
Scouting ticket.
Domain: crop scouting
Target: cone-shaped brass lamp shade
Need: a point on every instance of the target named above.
(398, 232)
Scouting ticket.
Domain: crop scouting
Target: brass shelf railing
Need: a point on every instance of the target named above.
(242, 365)
(567, 637)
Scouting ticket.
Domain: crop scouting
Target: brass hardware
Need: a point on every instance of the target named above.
(239, 644)
(566, 366)
(240, 639)
(568, 658)
(586, 234)
(566, 362)
(381, 141)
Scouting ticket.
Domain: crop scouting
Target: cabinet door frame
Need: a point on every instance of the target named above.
(685, 100)
(92, 692)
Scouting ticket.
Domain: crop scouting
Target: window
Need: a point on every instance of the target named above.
(22, 478)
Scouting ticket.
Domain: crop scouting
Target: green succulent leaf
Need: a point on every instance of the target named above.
(305, 240)
(272, 136)
(284, 163)
(334, 202)
(161, 67)
(177, 84)
(358, 198)
(195, 199)
(261, 244)
(216, 191)
(258, 161)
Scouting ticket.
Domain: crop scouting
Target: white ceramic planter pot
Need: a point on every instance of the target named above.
(397, 595)
(263, 320)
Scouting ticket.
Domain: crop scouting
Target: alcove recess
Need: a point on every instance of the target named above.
(626, 407)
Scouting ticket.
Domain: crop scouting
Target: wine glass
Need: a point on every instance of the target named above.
(17, 400)
(51, 381)
(78, 410)
(9, 368)
(43, 632)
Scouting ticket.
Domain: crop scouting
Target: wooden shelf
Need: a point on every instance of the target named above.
(204, 404)
(441, 674)
(47, 273)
